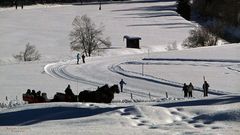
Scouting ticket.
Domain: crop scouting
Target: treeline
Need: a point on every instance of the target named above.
(9, 3)
(228, 11)
(184, 8)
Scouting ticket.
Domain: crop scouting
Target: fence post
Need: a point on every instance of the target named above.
(131, 96)
(166, 95)
(148, 53)
(77, 91)
(150, 96)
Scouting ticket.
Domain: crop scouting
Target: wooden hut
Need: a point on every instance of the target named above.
(132, 42)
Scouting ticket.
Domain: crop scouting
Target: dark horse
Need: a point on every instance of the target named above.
(104, 94)
(61, 97)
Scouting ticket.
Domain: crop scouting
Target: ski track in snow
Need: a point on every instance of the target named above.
(158, 61)
(58, 70)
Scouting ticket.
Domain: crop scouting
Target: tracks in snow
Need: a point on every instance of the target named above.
(159, 61)
(58, 70)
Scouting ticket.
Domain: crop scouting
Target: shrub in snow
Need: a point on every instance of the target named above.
(29, 54)
(200, 37)
(86, 37)
(172, 47)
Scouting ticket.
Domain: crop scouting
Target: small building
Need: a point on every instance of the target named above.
(132, 42)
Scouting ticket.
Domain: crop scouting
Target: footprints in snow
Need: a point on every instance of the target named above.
(137, 118)
(142, 117)
(177, 115)
(194, 123)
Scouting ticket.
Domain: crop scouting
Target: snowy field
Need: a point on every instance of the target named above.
(150, 69)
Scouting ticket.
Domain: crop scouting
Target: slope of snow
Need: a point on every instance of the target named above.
(207, 116)
(158, 25)
(147, 20)
(160, 75)
(50, 27)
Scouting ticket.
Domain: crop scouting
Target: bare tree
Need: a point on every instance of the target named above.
(86, 37)
(30, 54)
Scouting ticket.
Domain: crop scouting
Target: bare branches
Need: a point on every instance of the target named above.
(29, 54)
(86, 37)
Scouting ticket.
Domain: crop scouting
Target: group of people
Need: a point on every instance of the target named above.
(78, 58)
(35, 96)
(187, 89)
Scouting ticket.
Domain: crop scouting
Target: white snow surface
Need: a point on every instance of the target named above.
(149, 72)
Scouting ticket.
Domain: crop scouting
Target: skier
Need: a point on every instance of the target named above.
(185, 90)
(78, 58)
(205, 88)
(121, 84)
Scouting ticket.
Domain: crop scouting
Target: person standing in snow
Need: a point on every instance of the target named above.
(205, 88)
(190, 89)
(16, 3)
(22, 4)
(83, 58)
(185, 90)
(78, 58)
(121, 84)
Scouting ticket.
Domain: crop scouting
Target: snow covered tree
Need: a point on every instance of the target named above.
(200, 37)
(86, 37)
(30, 54)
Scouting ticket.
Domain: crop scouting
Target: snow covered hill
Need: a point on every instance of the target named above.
(200, 116)
(149, 74)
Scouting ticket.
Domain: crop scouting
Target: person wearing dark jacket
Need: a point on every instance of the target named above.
(69, 93)
(121, 84)
(78, 58)
(185, 90)
(205, 88)
(83, 58)
(190, 89)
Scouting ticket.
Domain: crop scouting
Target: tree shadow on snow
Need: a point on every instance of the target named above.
(151, 11)
(156, 11)
(92, 2)
(169, 25)
(34, 116)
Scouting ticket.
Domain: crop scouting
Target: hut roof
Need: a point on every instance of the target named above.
(132, 37)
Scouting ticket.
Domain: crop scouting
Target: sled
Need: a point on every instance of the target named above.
(37, 99)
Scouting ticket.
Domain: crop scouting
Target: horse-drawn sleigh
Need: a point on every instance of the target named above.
(104, 94)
